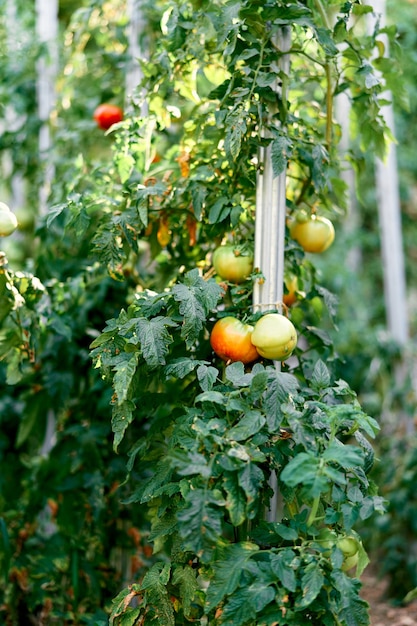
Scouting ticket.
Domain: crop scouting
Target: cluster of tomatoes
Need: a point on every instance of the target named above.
(273, 336)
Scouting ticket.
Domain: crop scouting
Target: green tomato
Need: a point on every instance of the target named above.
(274, 336)
(232, 266)
(348, 545)
(350, 561)
(315, 234)
(8, 220)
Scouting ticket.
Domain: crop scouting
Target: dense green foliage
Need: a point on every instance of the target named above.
(159, 472)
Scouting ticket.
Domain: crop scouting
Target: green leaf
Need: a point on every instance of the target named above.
(228, 571)
(154, 339)
(125, 164)
(312, 581)
(189, 462)
(283, 565)
(280, 151)
(207, 376)
(122, 416)
(281, 386)
(196, 298)
(212, 397)
(219, 211)
(235, 373)
(154, 583)
(54, 212)
(180, 368)
(200, 521)
(235, 130)
(162, 475)
(305, 469)
(347, 456)
(251, 479)
(198, 196)
(320, 378)
(32, 416)
(125, 371)
(185, 578)
(236, 500)
(325, 39)
(248, 426)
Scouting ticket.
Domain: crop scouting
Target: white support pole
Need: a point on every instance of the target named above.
(351, 225)
(47, 31)
(134, 74)
(47, 68)
(270, 217)
(270, 220)
(389, 210)
(13, 121)
(390, 224)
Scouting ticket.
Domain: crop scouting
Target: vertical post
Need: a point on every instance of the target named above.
(389, 210)
(47, 31)
(342, 111)
(13, 121)
(390, 222)
(270, 216)
(47, 68)
(136, 29)
(270, 219)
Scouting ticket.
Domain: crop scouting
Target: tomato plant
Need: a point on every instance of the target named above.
(274, 336)
(107, 114)
(314, 234)
(112, 329)
(231, 340)
(230, 264)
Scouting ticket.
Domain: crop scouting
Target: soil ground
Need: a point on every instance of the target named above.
(382, 612)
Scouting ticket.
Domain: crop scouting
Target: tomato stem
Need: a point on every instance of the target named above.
(313, 512)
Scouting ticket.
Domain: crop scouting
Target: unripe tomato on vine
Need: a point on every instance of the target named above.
(314, 233)
(231, 264)
(8, 220)
(274, 336)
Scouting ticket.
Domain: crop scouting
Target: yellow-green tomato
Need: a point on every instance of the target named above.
(350, 561)
(274, 336)
(231, 265)
(8, 220)
(348, 545)
(314, 235)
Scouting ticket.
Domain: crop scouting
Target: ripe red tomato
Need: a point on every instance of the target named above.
(274, 336)
(231, 265)
(107, 114)
(231, 340)
(8, 220)
(314, 234)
